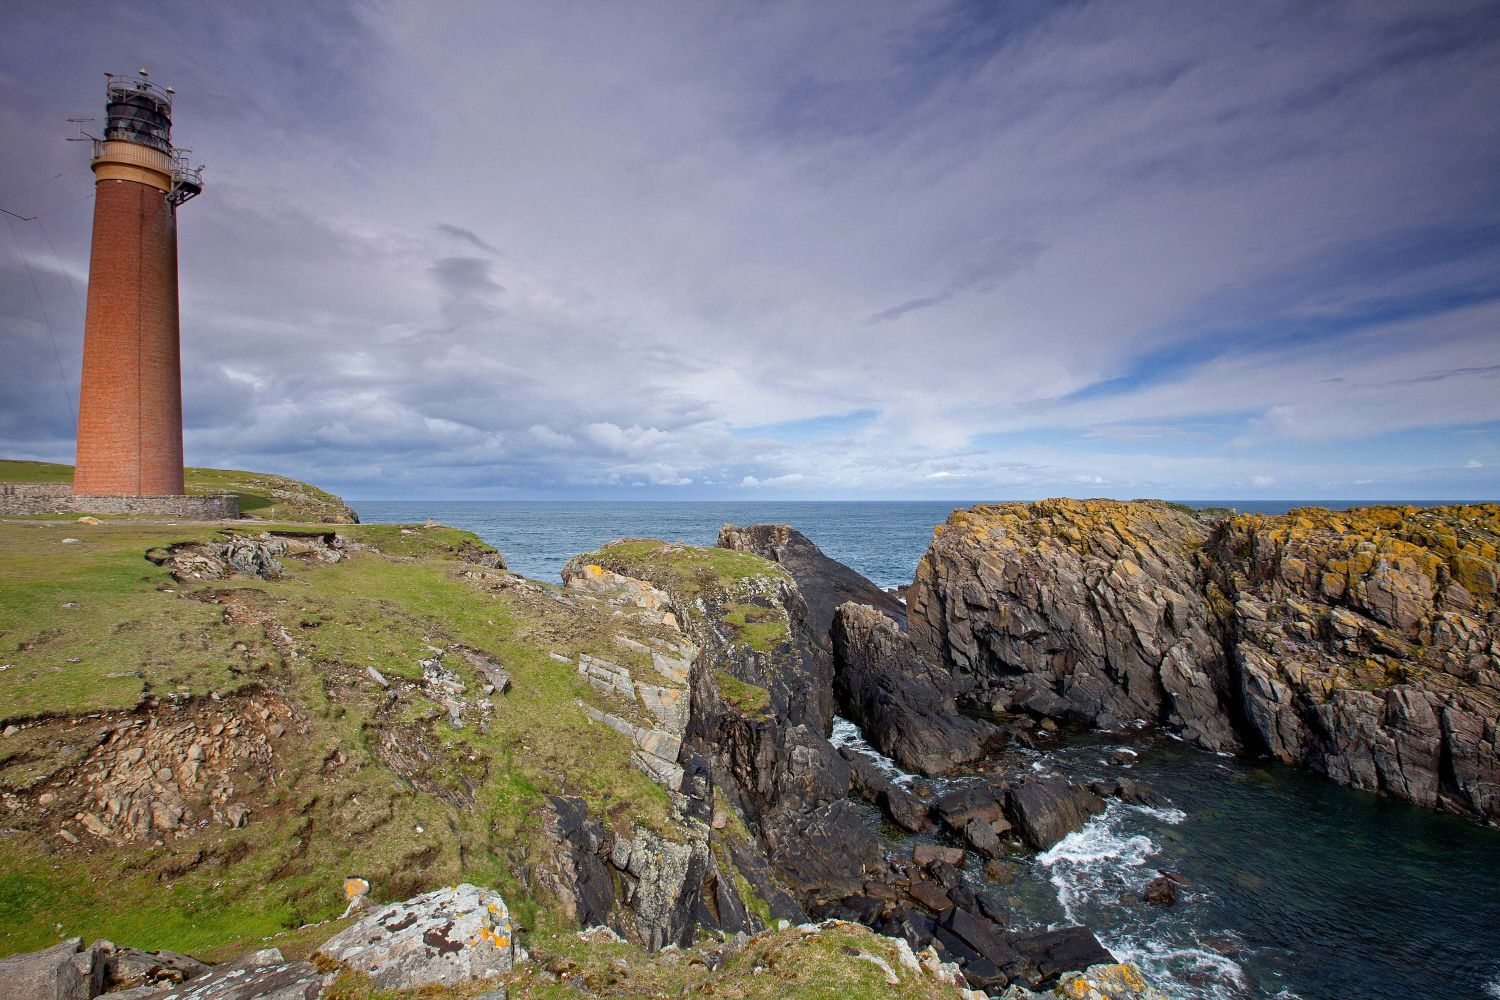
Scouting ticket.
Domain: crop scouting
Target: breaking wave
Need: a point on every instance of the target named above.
(1099, 873)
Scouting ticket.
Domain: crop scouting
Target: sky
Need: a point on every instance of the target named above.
(809, 250)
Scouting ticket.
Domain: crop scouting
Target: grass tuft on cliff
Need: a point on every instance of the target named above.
(262, 495)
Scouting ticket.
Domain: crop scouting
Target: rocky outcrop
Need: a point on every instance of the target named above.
(1092, 609)
(1363, 644)
(824, 583)
(1367, 646)
(760, 706)
(440, 938)
(904, 702)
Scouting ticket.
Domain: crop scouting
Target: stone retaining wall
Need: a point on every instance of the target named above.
(58, 498)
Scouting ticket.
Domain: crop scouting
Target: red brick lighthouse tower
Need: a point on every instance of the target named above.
(130, 406)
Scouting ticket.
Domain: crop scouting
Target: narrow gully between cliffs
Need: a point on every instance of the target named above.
(1299, 888)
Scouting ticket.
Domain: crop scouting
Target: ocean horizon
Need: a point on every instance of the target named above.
(882, 539)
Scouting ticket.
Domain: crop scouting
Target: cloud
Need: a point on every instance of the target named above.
(982, 275)
(878, 250)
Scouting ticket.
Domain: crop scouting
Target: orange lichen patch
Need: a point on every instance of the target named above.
(354, 886)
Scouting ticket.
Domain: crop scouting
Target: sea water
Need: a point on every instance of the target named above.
(883, 540)
(1299, 888)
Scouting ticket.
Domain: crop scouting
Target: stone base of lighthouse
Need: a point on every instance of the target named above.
(26, 499)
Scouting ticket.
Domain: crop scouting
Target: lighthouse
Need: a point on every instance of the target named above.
(130, 401)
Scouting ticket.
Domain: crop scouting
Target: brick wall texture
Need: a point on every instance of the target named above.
(130, 404)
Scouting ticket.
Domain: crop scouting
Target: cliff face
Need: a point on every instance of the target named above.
(1363, 644)
(1093, 609)
(1366, 646)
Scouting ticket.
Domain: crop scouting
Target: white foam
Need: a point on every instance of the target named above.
(1493, 987)
(1166, 815)
(1219, 975)
(847, 734)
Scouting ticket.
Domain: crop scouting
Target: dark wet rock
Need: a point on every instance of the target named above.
(1177, 877)
(914, 926)
(1160, 891)
(876, 787)
(926, 854)
(1129, 790)
(957, 806)
(980, 835)
(574, 872)
(1053, 952)
(904, 703)
(824, 852)
(993, 906)
(968, 936)
(944, 873)
(930, 895)
(1045, 810)
(824, 583)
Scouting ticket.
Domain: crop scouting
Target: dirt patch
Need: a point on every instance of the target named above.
(162, 772)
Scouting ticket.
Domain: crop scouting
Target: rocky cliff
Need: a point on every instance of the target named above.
(823, 582)
(1362, 644)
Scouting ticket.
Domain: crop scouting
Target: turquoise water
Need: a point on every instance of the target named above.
(1300, 888)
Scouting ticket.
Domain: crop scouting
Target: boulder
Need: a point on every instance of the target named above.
(440, 938)
(903, 702)
(1051, 953)
(980, 835)
(926, 854)
(62, 972)
(1129, 790)
(128, 967)
(1045, 810)
(262, 975)
(1160, 891)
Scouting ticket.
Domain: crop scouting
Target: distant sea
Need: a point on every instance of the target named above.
(881, 539)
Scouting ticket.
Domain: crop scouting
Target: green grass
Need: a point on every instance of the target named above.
(262, 496)
(762, 628)
(134, 633)
(687, 572)
(750, 699)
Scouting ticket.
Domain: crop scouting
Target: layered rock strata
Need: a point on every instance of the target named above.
(1362, 644)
